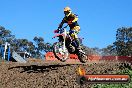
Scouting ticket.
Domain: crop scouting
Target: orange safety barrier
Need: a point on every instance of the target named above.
(50, 56)
(109, 58)
(117, 58)
(124, 58)
(94, 57)
(73, 56)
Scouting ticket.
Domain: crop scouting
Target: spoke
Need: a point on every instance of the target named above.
(61, 51)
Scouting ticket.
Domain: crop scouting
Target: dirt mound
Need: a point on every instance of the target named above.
(51, 74)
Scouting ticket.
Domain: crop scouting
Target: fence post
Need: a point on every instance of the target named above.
(9, 53)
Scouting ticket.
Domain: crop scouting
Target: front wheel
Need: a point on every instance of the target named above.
(60, 52)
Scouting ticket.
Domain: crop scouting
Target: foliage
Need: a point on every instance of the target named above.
(90, 51)
(123, 41)
(123, 44)
(5, 35)
(109, 50)
(23, 44)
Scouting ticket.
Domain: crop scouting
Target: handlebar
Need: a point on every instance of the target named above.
(62, 29)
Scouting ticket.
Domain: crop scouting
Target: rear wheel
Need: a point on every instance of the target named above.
(59, 51)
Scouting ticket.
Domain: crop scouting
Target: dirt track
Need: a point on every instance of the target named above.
(51, 74)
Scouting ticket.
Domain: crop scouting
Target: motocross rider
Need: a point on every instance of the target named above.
(71, 19)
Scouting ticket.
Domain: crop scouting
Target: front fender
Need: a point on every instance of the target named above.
(58, 35)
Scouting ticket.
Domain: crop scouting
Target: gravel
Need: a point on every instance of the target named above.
(51, 74)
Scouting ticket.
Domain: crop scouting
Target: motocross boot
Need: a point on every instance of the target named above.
(78, 46)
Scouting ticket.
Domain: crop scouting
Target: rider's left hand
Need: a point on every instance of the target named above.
(56, 31)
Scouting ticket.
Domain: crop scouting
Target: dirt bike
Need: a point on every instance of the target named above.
(66, 46)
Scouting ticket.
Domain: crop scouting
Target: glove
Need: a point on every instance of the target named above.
(56, 31)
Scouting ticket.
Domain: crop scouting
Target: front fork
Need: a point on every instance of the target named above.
(64, 42)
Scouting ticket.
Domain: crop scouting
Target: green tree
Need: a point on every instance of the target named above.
(5, 35)
(123, 43)
(109, 50)
(41, 46)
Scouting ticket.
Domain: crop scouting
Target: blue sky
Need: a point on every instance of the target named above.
(99, 19)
